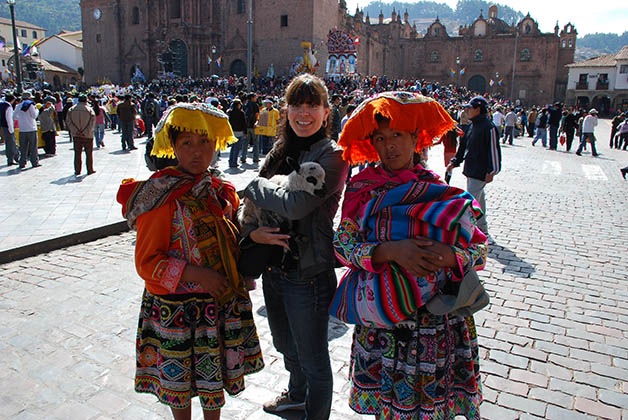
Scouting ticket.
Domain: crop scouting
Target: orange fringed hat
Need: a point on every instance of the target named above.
(406, 111)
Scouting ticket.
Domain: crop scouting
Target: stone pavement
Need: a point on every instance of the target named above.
(554, 340)
(47, 202)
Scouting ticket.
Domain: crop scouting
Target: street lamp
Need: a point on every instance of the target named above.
(458, 72)
(18, 68)
(213, 51)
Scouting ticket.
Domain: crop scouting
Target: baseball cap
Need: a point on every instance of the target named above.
(477, 101)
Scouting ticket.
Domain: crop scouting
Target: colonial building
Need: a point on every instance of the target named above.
(186, 37)
(600, 82)
(27, 33)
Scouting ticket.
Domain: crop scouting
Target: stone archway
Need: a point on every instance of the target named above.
(583, 102)
(179, 57)
(477, 83)
(238, 68)
(602, 103)
(620, 103)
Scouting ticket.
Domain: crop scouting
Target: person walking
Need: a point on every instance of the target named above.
(237, 120)
(26, 116)
(80, 121)
(541, 128)
(555, 115)
(480, 151)
(48, 127)
(299, 282)
(126, 115)
(509, 121)
(588, 127)
(498, 121)
(150, 113)
(99, 123)
(614, 140)
(569, 125)
(7, 129)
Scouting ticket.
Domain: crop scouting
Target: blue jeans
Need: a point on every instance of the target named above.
(541, 133)
(583, 142)
(265, 144)
(251, 138)
(99, 134)
(235, 149)
(298, 315)
(508, 136)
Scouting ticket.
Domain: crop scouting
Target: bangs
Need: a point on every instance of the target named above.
(306, 90)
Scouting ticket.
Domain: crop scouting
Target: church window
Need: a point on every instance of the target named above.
(528, 28)
(175, 9)
(435, 57)
(478, 55)
(283, 21)
(136, 16)
(240, 6)
(564, 43)
(3, 63)
(570, 43)
(525, 55)
(437, 31)
(98, 38)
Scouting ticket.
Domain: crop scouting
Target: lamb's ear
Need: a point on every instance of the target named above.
(293, 164)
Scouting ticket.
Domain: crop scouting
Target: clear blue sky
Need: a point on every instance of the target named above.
(587, 16)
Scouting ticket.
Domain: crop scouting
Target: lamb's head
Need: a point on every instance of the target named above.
(314, 174)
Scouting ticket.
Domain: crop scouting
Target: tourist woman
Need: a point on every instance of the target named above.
(196, 335)
(412, 364)
(298, 284)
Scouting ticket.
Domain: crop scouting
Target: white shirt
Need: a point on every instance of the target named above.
(511, 119)
(498, 118)
(8, 115)
(27, 120)
(589, 124)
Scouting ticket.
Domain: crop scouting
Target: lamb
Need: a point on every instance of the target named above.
(308, 177)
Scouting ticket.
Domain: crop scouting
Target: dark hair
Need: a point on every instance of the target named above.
(307, 89)
(96, 106)
(8, 97)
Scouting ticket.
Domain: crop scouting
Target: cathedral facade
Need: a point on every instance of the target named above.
(198, 38)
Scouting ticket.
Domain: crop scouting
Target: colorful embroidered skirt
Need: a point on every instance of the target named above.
(188, 347)
(428, 373)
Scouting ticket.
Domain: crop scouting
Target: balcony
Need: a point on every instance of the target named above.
(601, 85)
(582, 86)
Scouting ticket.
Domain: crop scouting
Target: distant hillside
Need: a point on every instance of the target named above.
(52, 15)
(593, 45)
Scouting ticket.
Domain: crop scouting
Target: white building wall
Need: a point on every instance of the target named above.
(621, 80)
(55, 49)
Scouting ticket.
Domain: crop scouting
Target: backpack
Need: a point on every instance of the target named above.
(151, 109)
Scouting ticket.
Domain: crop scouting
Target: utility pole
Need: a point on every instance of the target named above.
(514, 62)
(249, 47)
(18, 68)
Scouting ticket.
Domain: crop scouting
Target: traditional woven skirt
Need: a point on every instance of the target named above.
(428, 373)
(187, 347)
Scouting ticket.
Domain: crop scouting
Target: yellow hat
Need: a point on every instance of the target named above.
(199, 118)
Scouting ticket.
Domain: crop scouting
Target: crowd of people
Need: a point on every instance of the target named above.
(402, 227)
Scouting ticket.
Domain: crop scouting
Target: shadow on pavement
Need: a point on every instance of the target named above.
(512, 264)
(120, 152)
(335, 328)
(67, 180)
(288, 415)
(11, 172)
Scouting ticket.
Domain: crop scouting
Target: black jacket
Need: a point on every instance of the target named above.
(479, 149)
(237, 119)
